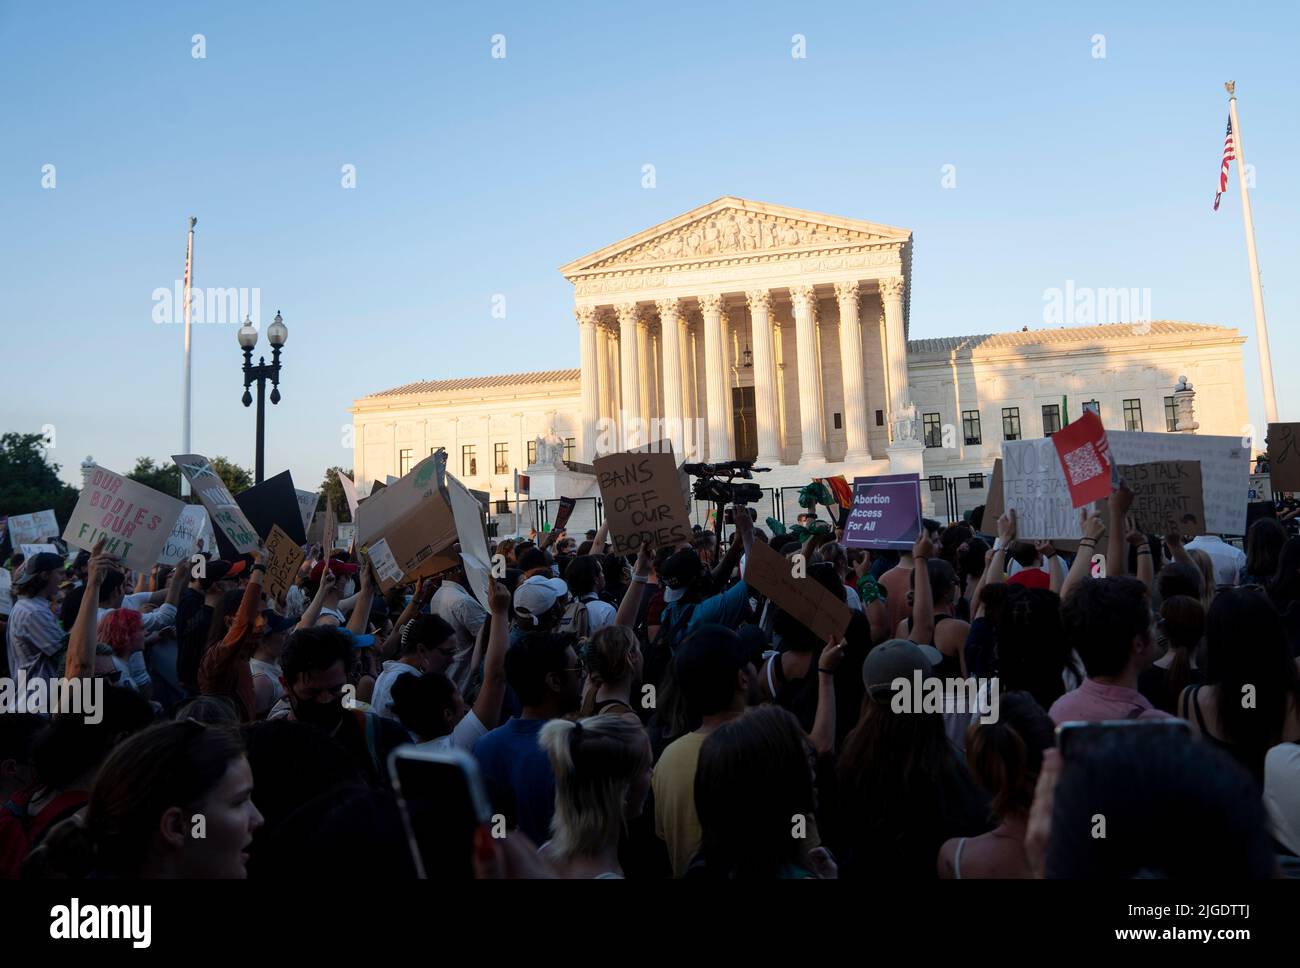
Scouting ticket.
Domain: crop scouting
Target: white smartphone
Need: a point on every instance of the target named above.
(444, 808)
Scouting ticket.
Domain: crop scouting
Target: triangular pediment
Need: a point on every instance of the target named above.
(734, 227)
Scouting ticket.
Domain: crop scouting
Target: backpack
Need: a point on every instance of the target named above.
(20, 832)
(577, 620)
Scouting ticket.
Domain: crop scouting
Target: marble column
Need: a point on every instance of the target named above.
(629, 323)
(766, 409)
(670, 343)
(588, 380)
(812, 444)
(891, 296)
(851, 367)
(691, 434)
(602, 356)
(717, 405)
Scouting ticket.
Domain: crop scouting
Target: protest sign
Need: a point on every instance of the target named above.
(1161, 490)
(643, 501)
(136, 520)
(284, 557)
(805, 599)
(415, 521)
(329, 529)
(307, 501)
(1034, 484)
(190, 528)
(563, 513)
(317, 529)
(886, 512)
(228, 519)
(993, 506)
(273, 503)
(1085, 459)
(344, 532)
(34, 528)
(1284, 456)
(471, 535)
(29, 550)
(349, 492)
(665, 446)
(6, 592)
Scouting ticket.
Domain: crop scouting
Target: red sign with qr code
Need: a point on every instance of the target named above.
(1085, 458)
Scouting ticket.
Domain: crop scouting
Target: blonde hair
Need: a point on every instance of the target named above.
(607, 657)
(595, 761)
(1206, 568)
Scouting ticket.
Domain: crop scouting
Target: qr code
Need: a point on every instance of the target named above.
(1082, 464)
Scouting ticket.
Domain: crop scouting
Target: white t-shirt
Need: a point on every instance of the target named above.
(459, 609)
(463, 735)
(381, 700)
(269, 671)
(1227, 560)
(599, 614)
(161, 617)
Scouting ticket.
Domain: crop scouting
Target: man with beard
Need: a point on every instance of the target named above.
(314, 667)
(718, 678)
(543, 670)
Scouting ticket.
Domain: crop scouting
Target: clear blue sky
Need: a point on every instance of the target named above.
(478, 176)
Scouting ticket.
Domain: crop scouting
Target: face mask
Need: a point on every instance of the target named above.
(325, 715)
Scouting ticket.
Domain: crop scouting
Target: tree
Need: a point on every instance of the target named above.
(331, 488)
(29, 482)
(165, 478)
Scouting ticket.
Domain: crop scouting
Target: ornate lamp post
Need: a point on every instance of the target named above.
(277, 335)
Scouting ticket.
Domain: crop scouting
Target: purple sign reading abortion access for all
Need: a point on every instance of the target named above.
(886, 512)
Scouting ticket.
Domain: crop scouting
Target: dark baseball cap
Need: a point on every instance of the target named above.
(896, 659)
(677, 573)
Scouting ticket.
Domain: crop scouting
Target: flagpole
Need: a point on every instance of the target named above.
(185, 411)
(1261, 327)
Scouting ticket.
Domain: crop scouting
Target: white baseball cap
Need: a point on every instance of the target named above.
(537, 595)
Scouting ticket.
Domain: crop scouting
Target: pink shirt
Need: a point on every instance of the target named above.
(1092, 703)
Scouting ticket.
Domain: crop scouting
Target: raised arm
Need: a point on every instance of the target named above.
(1174, 542)
(922, 603)
(631, 603)
(997, 570)
(602, 537)
(823, 731)
(360, 616)
(1055, 568)
(1146, 571)
(311, 613)
(423, 592)
(1116, 548)
(80, 660)
(1092, 526)
(487, 707)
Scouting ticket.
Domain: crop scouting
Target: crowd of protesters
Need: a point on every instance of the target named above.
(654, 716)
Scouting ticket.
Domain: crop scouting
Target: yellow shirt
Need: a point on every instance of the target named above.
(676, 822)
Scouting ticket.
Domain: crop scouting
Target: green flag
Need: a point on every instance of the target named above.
(1065, 411)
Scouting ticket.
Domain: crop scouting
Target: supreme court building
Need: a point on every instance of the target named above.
(747, 330)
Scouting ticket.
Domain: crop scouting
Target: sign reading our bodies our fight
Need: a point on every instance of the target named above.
(642, 496)
(227, 518)
(886, 512)
(135, 520)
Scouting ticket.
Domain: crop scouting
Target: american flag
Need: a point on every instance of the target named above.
(1229, 153)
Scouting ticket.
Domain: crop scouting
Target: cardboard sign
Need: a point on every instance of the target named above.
(274, 503)
(228, 518)
(30, 550)
(414, 518)
(1161, 490)
(471, 535)
(563, 513)
(1034, 484)
(993, 505)
(1085, 459)
(642, 496)
(190, 528)
(136, 520)
(307, 501)
(284, 557)
(1284, 456)
(329, 529)
(886, 512)
(805, 599)
(34, 528)
(6, 592)
(317, 529)
(350, 493)
(665, 446)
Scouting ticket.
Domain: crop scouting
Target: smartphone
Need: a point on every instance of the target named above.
(444, 808)
(1076, 740)
(729, 515)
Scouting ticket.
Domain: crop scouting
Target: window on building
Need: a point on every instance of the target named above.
(501, 458)
(468, 463)
(880, 418)
(970, 427)
(404, 462)
(532, 452)
(933, 430)
(1093, 405)
(936, 482)
(838, 422)
(1132, 414)
(975, 481)
(1171, 415)
(1051, 418)
(570, 448)
(1010, 423)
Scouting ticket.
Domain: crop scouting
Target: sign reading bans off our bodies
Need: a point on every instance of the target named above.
(643, 501)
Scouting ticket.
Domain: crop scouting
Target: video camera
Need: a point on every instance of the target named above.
(709, 488)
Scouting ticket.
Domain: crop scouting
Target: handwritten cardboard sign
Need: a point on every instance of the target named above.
(190, 528)
(1165, 489)
(642, 496)
(32, 528)
(805, 599)
(228, 520)
(1284, 456)
(993, 506)
(415, 521)
(284, 557)
(886, 512)
(136, 520)
(1034, 484)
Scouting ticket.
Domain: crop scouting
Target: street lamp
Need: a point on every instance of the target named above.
(277, 334)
